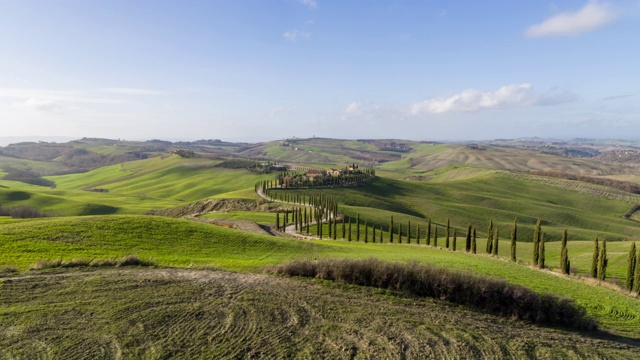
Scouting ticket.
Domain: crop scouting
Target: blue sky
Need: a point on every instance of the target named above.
(260, 70)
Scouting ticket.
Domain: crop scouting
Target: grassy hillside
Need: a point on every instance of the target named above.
(171, 242)
(186, 314)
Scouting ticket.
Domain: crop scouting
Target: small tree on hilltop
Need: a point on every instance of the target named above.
(631, 267)
(603, 261)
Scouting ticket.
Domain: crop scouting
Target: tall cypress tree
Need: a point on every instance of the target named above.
(631, 267)
(435, 235)
(358, 227)
(489, 236)
(373, 238)
(514, 237)
(344, 218)
(496, 238)
(603, 261)
(564, 255)
(636, 277)
(391, 230)
(429, 232)
(536, 242)
(277, 220)
(381, 238)
(409, 232)
(349, 234)
(399, 233)
(418, 234)
(541, 252)
(473, 241)
(446, 236)
(455, 240)
(366, 232)
(467, 243)
(594, 258)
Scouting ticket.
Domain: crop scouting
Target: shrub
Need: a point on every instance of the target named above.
(492, 295)
(134, 260)
(21, 212)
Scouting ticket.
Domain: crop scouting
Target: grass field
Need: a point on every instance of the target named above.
(181, 243)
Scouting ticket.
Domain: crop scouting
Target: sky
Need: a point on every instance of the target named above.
(257, 70)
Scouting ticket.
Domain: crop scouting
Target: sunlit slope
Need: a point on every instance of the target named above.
(432, 157)
(172, 242)
(490, 195)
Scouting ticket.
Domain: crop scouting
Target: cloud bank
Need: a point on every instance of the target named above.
(592, 16)
(470, 100)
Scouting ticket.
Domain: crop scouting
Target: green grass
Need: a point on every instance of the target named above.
(264, 218)
(171, 242)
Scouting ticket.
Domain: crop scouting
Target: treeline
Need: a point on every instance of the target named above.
(27, 177)
(618, 184)
(21, 212)
(318, 210)
(494, 296)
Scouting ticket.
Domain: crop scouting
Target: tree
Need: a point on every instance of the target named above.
(594, 259)
(418, 234)
(343, 226)
(455, 240)
(603, 261)
(373, 238)
(489, 236)
(429, 232)
(357, 227)
(446, 235)
(349, 234)
(277, 220)
(409, 232)
(514, 237)
(636, 277)
(473, 241)
(435, 235)
(399, 233)
(541, 252)
(467, 243)
(564, 255)
(496, 238)
(631, 267)
(536, 242)
(391, 230)
(366, 232)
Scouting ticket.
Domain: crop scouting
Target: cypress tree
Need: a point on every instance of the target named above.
(594, 259)
(603, 261)
(409, 232)
(446, 236)
(541, 252)
(631, 267)
(429, 232)
(366, 232)
(399, 233)
(277, 220)
(391, 230)
(435, 235)
(496, 238)
(349, 234)
(455, 240)
(489, 237)
(514, 237)
(564, 255)
(636, 277)
(467, 243)
(343, 226)
(373, 239)
(473, 241)
(418, 234)
(335, 227)
(536, 241)
(358, 227)
(381, 238)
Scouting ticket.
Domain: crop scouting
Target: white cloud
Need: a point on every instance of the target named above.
(353, 108)
(515, 95)
(592, 16)
(278, 111)
(294, 35)
(312, 4)
(132, 91)
(42, 105)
